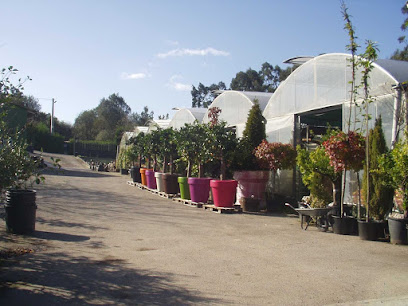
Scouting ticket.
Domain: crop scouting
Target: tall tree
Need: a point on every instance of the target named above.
(202, 96)
(84, 126)
(249, 80)
(402, 55)
(143, 118)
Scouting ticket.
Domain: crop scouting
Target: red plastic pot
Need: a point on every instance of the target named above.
(251, 184)
(199, 189)
(224, 192)
(150, 179)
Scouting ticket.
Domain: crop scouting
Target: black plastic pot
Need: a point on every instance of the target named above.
(398, 230)
(20, 208)
(344, 226)
(250, 204)
(124, 171)
(135, 174)
(372, 230)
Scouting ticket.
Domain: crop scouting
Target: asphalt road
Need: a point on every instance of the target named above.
(99, 241)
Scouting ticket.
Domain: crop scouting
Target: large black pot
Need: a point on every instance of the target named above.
(372, 230)
(20, 210)
(344, 226)
(124, 171)
(135, 174)
(398, 230)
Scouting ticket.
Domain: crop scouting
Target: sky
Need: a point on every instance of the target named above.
(152, 52)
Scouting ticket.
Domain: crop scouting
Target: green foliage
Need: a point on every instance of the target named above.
(393, 166)
(202, 96)
(194, 146)
(254, 133)
(38, 134)
(381, 196)
(317, 173)
(143, 118)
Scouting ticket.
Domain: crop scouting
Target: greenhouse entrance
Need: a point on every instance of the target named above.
(310, 128)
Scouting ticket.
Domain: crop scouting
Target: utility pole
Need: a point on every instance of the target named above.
(52, 116)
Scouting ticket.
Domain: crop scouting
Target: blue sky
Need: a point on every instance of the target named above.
(151, 52)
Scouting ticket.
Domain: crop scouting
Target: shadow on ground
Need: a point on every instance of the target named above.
(52, 279)
(78, 173)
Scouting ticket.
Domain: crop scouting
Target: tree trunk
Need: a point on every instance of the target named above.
(336, 192)
(171, 165)
(189, 168)
(200, 170)
(223, 169)
(165, 164)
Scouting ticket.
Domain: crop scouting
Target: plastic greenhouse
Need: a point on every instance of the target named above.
(187, 115)
(318, 93)
(235, 106)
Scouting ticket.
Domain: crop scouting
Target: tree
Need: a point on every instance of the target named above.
(380, 195)
(254, 133)
(84, 126)
(402, 55)
(143, 118)
(249, 80)
(111, 113)
(164, 117)
(202, 96)
(273, 76)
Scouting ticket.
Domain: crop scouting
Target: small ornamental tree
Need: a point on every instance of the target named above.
(346, 152)
(253, 135)
(381, 196)
(316, 172)
(275, 156)
(223, 140)
(393, 166)
(193, 145)
(169, 148)
(138, 147)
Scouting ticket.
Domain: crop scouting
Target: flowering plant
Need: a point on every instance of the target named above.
(346, 151)
(275, 155)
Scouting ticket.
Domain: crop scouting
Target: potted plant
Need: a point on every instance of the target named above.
(346, 151)
(193, 146)
(251, 179)
(148, 173)
(18, 170)
(393, 166)
(275, 156)
(169, 147)
(223, 142)
(380, 198)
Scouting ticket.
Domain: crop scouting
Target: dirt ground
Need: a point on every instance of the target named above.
(99, 241)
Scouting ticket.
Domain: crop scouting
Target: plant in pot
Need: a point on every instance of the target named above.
(122, 161)
(223, 143)
(379, 195)
(169, 151)
(319, 177)
(346, 151)
(275, 156)
(393, 166)
(193, 145)
(251, 179)
(18, 170)
(150, 150)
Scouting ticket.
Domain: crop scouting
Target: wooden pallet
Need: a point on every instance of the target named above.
(131, 183)
(223, 210)
(167, 195)
(189, 202)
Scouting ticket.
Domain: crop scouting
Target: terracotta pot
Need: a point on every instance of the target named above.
(170, 182)
(223, 192)
(251, 184)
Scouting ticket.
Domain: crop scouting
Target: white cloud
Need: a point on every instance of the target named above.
(191, 52)
(174, 84)
(133, 76)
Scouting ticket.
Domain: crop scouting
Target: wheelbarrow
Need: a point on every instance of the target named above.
(319, 215)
